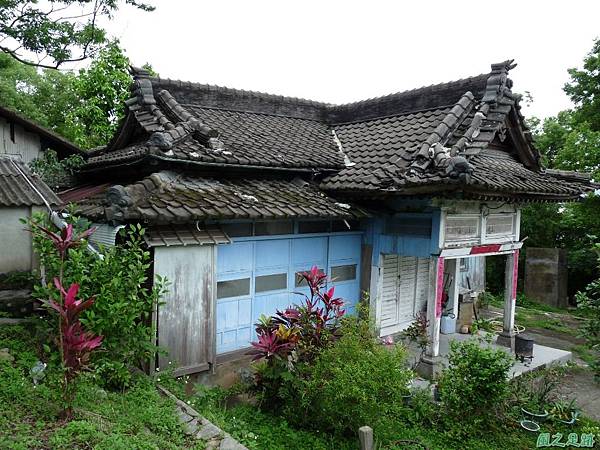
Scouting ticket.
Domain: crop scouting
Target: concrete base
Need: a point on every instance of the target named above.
(430, 367)
(506, 339)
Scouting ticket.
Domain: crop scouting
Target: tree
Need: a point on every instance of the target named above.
(84, 107)
(41, 96)
(55, 32)
(101, 92)
(584, 89)
(571, 141)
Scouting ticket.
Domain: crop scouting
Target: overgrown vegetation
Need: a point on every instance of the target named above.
(589, 301)
(75, 343)
(138, 418)
(124, 298)
(474, 386)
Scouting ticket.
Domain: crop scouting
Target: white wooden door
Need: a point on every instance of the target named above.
(404, 291)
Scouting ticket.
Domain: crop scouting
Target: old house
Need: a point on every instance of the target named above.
(21, 192)
(394, 197)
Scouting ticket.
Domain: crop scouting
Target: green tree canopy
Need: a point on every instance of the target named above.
(85, 107)
(571, 141)
(53, 32)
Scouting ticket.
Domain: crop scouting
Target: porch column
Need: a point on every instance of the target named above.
(429, 365)
(507, 337)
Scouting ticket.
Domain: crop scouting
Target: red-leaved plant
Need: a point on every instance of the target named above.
(75, 344)
(305, 328)
(295, 336)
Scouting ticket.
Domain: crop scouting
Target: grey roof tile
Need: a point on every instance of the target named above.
(15, 187)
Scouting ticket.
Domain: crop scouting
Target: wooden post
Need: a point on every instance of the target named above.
(506, 338)
(429, 366)
(365, 436)
(434, 305)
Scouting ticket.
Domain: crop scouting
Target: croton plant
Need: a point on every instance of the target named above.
(302, 329)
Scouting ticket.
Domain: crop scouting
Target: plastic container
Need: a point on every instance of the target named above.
(448, 324)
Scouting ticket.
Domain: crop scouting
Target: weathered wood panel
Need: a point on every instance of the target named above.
(473, 268)
(18, 141)
(186, 319)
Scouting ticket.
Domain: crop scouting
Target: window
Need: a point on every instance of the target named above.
(275, 282)
(460, 228)
(499, 225)
(300, 281)
(273, 228)
(464, 264)
(343, 273)
(314, 226)
(233, 288)
(237, 229)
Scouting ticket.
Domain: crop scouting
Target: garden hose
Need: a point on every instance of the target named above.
(498, 327)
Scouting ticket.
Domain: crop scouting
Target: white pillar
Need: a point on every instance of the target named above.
(507, 337)
(434, 305)
(455, 289)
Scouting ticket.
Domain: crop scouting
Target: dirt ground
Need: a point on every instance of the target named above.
(579, 382)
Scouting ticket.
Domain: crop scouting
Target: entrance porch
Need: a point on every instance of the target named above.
(542, 356)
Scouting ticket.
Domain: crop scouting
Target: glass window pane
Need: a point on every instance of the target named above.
(300, 281)
(314, 226)
(237, 229)
(273, 282)
(343, 273)
(273, 228)
(233, 288)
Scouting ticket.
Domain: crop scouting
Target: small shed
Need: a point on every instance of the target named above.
(21, 193)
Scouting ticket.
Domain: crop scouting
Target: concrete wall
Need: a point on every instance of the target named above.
(546, 275)
(15, 242)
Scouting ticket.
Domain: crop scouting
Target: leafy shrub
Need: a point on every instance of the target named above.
(589, 302)
(74, 342)
(124, 298)
(352, 383)
(55, 173)
(475, 384)
(295, 336)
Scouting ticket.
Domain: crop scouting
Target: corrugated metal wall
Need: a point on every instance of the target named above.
(186, 319)
(105, 234)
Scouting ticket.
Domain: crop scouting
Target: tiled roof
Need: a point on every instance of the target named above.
(16, 185)
(435, 135)
(167, 197)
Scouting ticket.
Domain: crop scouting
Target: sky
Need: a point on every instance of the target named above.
(343, 51)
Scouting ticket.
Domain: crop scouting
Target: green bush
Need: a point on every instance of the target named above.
(475, 385)
(354, 382)
(589, 302)
(125, 298)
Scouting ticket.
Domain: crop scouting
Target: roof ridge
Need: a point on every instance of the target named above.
(182, 83)
(193, 84)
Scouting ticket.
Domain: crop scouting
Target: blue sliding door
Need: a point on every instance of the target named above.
(259, 276)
